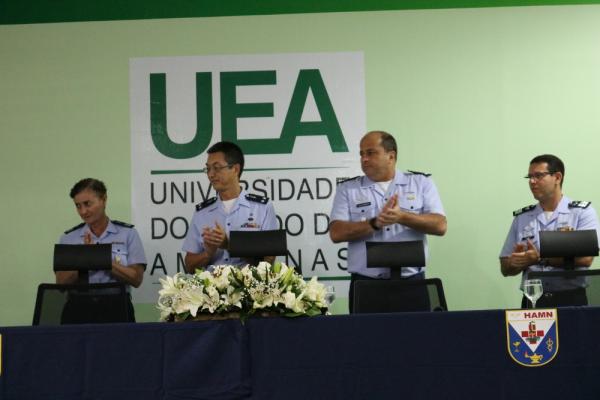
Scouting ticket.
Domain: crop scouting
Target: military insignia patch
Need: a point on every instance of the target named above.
(120, 223)
(344, 179)
(419, 173)
(520, 211)
(75, 228)
(256, 198)
(205, 203)
(580, 204)
(532, 336)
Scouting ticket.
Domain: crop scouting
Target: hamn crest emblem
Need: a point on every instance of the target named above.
(532, 336)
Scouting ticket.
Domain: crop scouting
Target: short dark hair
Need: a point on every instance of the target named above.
(95, 185)
(555, 164)
(387, 142)
(232, 152)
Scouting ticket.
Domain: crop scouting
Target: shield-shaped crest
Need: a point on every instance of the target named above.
(532, 336)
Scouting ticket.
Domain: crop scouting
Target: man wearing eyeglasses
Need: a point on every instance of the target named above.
(232, 209)
(553, 212)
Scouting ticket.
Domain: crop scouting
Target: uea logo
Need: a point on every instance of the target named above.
(310, 84)
(532, 336)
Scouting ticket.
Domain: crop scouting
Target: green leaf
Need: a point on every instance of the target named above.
(311, 312)
(293, 314)
(183, 316)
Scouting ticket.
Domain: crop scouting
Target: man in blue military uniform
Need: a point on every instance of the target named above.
(232, 209)
(384, 205)
(553, 212)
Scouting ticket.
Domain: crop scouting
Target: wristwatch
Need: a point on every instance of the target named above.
(373, 224)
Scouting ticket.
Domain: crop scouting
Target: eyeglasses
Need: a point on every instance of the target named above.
(538, 176)
(216, 168)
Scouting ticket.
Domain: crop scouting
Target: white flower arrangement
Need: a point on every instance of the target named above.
(273, 289)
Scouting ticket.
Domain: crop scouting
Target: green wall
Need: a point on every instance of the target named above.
(471, 94)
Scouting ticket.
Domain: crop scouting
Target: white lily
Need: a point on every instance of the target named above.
(315, 291)
(289, 299)
(262, 268)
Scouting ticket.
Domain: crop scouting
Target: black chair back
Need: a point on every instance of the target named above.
(395, 255)
(385, 296)
(82, 303)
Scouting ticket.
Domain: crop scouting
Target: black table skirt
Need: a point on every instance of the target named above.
(454, 355)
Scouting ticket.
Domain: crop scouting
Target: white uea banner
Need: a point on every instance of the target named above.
(298, 119)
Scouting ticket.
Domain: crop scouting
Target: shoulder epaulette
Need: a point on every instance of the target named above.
(579, 204)
(524, 209)
(419, 173)
(75, 228)
(205, 203)
(344, 179)
(121, 223)
(256, 198)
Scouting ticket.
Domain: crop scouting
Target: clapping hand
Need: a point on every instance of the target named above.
(214, 238)
(524, 256)
(390, 213)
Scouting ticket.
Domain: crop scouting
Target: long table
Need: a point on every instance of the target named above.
(453, 355)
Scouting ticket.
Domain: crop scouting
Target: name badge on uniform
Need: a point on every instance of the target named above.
(410, 196)
(365, 204)
(532, 336)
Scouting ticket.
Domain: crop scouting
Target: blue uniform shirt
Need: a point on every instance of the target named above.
(528, 224)
(126, 246)
(249, 213)
(360, 199)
